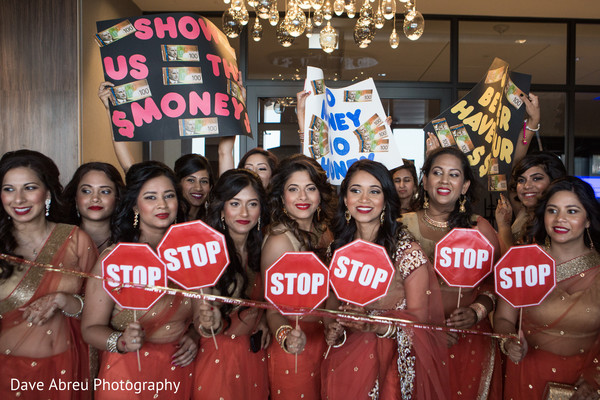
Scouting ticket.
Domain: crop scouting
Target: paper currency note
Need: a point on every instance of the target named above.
(494, 75)
(462, 138)
(318, 136)
(493, 166)
(318, 86)
(514, 94)
(132, 91)
(181, 75)
(355, 96)
(497, 183)
(443, 133)
(198, 126)
(235, 90)
(179, 52)
(114, 33)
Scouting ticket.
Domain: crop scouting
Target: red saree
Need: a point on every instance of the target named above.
(411, 366)
(562, 333)
(233, 371)
(51, 356)
(164, 325)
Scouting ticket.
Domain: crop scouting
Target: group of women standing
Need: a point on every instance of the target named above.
(290, 206)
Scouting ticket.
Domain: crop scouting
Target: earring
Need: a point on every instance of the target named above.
(590, 238)
(223, 223)
(347, 216)
(462, 202)
(136, 219)
(48, 201)
(77, 211)
(547, 242)
(285, 212)
(425, 201)
(416, 195)
(258, 225)
(318, 213)
(382, 216)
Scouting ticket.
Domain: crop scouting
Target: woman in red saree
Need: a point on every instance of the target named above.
(446, 196)
(166, 346)
(559, 341)
(301, 203)
(380, 361)
(40, 343)
(238, 368)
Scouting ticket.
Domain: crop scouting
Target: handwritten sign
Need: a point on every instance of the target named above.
(175, 76)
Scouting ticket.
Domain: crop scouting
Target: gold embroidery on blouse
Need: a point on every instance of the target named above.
(406, 258)
(576, 266)
(487, 372)
(30, 282)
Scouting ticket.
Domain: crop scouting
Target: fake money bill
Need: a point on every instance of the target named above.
(179, 52)
(198, 126)
(494, 75)
(114, 33)
(513, 94)
(358, 96)
(318, 136)
(235, 90)
(181, 75)
(497, 183)
(373, 145)
(442, 130)
(318, 86)
(129, 92)
(463, 140)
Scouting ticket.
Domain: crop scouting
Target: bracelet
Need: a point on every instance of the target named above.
(111, 342)
(78, 313)
(207, 333)
(524, 128)
(281, 334)
(492, 297)
(480, 311)
(502, 343)
(389, 334)
(532, 129)
(342, 343)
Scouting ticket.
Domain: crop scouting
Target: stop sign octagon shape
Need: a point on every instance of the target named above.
(361, 272)
(133, 264)
(525, 275)
(195, 254)
(464, 257)
(296, 280)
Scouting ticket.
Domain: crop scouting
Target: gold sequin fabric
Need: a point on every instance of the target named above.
(406, 258)
(577, 266)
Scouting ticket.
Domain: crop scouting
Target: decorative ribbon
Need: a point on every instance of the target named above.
(350, 316)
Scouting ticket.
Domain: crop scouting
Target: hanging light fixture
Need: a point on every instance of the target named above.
(257, 30)
(328, 38)
(394, 37)
(414, 24)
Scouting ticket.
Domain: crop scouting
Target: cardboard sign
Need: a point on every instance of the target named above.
(175, 76)
(361, 272)
(464, 257)
(129, 265)
(486, 124)
(525, 275)
(345, 125)
(296, 280)
(195, 254)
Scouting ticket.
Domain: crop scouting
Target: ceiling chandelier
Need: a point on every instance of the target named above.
(302, 16)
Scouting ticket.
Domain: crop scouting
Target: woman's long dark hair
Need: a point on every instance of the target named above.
(137, 176)
(70, 193)
(47, 171)
(235, 278)
(287, 167)
(271, 158)
(187, 165)
(387, 235)
(412, 170)
(586, 196)
(456, 219)
(549, 162)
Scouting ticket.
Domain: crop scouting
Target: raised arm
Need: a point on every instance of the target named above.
(532, 106)
(122, 150)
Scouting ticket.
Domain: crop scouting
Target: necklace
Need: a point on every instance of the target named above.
(34, 250)
(433, 224)
(103, 243)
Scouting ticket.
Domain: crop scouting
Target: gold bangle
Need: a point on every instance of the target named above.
(501, 344)
(207, 333)
(281, 334)
(480, 311)
(111, 342)
(78, 313)
(389, 334)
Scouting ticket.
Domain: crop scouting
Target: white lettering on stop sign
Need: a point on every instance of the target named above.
(468, 258)
(197, 255)
(138, 275)
(531, 275)
(303, 283)
(368, 276)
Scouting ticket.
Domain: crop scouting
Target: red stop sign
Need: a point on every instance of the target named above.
(195, 254)
(296, 280)
(133, 264)
(525, 275)
(464, 257)
(361, 272)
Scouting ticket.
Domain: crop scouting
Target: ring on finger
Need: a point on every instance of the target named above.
(133, 340)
